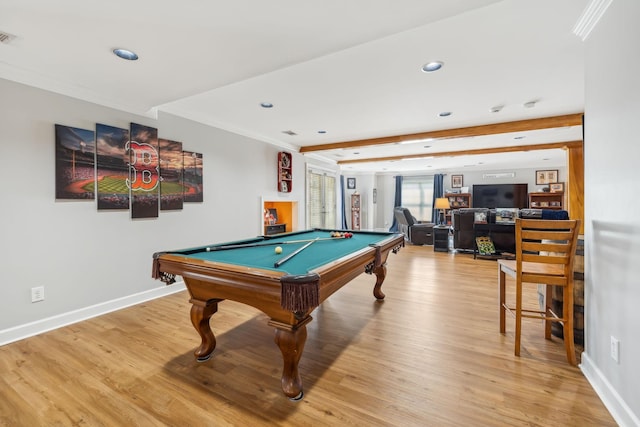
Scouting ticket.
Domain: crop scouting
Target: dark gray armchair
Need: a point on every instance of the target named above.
(415, 232)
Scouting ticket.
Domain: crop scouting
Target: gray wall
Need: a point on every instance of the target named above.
(89, 261)
(612, 230)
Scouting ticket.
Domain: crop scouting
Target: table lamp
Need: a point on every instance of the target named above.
(442, 203)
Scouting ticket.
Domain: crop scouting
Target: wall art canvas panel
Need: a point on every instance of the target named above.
(112, 167)
(171, 167)
(75, 163)
(144, 173)
(193, 165)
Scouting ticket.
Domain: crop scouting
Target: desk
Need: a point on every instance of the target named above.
(287, 294)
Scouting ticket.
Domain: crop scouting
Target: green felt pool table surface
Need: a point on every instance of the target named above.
(263, 255)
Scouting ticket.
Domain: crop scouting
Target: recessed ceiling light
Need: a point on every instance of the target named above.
(530, 104)
(426, 146)
(322, 131)
(432, 66)
(266, 105)
(445, 114)
(518, 137)
(497, 108)
(125, 54)
(356, 152)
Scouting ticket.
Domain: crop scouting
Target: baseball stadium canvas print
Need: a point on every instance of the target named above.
(171, 185)
(112, 167)
(193, 165)
(75, 163)
(144, 174)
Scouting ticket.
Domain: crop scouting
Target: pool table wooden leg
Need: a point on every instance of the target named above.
(381, 273)
(291, 339)
(201, 312)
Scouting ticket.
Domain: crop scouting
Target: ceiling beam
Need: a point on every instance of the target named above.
(491, 129)
(509, 149)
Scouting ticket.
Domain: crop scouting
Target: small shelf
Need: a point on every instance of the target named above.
(355, 211)
(285, 175)
(456, 201)
(441, 238)
(546, 201)
(275, 229)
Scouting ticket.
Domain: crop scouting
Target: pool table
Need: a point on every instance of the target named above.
(244, 271)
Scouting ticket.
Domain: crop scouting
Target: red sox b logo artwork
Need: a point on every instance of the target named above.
(144, 167)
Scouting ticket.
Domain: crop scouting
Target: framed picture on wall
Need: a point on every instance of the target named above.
(351, 183)
(546, 177)
(556, 187)
(456, 181)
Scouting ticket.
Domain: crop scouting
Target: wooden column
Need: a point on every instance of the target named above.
(575, 184)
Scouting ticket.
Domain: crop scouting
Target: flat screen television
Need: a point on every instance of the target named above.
(500, 196)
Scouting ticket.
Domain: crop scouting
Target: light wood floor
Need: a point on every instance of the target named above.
(430, 355)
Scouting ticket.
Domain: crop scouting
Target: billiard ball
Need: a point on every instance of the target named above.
(208, 249)
(278, 250)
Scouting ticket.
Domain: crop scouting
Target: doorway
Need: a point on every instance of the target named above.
(321, 198)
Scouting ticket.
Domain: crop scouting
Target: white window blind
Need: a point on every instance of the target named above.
(417, 196)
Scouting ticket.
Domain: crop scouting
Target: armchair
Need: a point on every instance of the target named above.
(416, 232)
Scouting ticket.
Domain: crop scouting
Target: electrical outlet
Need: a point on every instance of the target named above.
(37, 294)
(615, 349)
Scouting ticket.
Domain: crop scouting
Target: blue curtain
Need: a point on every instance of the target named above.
(344, 207)
(438, 191)
(397, 202)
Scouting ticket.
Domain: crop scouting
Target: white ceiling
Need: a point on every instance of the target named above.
(350, 68)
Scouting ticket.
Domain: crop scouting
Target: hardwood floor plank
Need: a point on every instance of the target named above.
(429, 354)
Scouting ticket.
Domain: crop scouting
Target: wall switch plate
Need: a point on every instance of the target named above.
(37, 294)
(615, 349)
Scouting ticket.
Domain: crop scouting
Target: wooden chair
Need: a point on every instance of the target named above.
(545, 251)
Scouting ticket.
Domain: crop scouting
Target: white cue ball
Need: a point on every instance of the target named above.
(208, 249)
(278, 250)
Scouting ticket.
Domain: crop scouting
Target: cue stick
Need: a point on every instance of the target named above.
(267, 243)
(296, 252)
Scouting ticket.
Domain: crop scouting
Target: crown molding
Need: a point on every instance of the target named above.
(590, 17)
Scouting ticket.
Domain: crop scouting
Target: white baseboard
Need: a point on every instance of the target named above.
(619, 410)
(20, 332)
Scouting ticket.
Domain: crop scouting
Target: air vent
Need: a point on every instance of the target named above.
(6, 37)
(499, 175)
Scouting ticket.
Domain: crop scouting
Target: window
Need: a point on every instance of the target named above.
(417, 196)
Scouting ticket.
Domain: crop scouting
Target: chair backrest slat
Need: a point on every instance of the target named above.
(545, 259)
(544, 278)
(529, 234)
